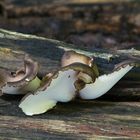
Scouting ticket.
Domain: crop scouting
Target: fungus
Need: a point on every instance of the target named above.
(105, 82)
(70, 57)
(59, 87)
(77, 76)
(22, 81)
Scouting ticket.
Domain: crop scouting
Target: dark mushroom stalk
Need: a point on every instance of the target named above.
(59, 87)
(22, 81)
(105, 82)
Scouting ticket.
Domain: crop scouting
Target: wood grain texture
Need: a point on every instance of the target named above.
(60, 19)
(74, 120)
(114, 116)
(47, 53)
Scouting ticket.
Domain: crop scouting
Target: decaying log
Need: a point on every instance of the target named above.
(48, 53)
(97, 119)
(106, 29)
(44, 48)
(74, 120)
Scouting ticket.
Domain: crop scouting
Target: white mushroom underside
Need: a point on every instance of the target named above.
(11, 90)
(31, 86)
(61, 89)
(103, 84)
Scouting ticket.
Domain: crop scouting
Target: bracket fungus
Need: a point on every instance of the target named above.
(21, 81)
(78, 76)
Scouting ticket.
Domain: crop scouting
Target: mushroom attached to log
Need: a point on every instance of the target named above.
(60, 87)
(102, 83)
(78, 74)
(22, 81)
(70, 57)
(105, 82)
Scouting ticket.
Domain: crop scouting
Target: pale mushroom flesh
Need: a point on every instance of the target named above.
(59, 88)
(105, 82)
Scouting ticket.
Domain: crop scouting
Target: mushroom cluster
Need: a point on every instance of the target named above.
(78, 76)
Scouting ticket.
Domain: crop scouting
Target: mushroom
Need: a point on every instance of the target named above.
(22, 81)
(105, 82)
(70, 57)
(59, 87)
(102, 83)
(77, 76)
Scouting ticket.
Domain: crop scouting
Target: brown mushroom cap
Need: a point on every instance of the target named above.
(20, 78)
(124, 64)
(24, 75)
(70, 57)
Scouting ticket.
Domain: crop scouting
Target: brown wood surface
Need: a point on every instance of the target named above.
(60, 19)
(48, 54)
(75, 120)
(114, 116)
(93, 26)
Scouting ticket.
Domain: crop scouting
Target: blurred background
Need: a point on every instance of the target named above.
(96, 23)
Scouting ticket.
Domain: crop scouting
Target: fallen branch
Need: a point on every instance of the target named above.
(48, 53)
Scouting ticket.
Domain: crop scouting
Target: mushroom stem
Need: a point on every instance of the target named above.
(103, 83)
(33, 85)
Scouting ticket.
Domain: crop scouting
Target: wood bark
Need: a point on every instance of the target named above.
(60, 19)
(48, 53)
(75, 120)
(116, 115)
